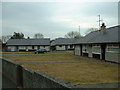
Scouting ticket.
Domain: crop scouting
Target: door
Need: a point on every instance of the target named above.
(103, 50)
(66, 47)
(81, 50)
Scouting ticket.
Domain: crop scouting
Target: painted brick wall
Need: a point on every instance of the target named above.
(77, 49)
(60, 48)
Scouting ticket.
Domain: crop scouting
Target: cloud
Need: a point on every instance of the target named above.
(60, 0)
(61, 19)
(55, 19)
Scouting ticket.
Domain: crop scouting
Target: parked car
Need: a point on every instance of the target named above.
(40, 51)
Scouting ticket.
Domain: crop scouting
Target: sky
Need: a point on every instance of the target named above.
(55, 19)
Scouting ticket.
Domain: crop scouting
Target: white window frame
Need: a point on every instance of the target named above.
(113, 46)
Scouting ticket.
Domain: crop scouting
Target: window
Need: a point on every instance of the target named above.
(96, 48)
(85, 48)
(114, 48)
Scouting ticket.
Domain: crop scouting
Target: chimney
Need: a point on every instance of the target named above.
(103, 28)
(28, 37)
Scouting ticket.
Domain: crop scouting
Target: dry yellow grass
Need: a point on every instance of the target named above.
(82, 71)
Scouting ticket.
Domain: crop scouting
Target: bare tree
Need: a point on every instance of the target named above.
(4, 39)
(73, 34)
(17, 36)
(38, 35)
(91, 30)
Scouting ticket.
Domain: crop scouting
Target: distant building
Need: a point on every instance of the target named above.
(52, 45)
(64, 43)
(103, 44)
(28, 44)
(4, 47)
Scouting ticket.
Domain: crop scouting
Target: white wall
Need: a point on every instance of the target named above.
(11, 48)
(60, 48)
(89, 48)
(96, 49)
(36, 47)
(29, 47)
(45, 47)
(68, 46)
(85, 47)
(114, 57)
(112, 53)
(77, 49)
(21, 47)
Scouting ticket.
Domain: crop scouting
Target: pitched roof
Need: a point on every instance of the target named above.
(64, 41)
(44, 41)
(110, 35)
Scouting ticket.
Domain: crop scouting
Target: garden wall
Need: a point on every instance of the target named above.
(23, 77)
(27, 78)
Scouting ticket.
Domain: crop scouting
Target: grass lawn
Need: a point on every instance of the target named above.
(69, 67)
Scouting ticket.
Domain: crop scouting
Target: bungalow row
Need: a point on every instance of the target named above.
(63, 44)
(34, 44)
(103, 44)
(28, 44)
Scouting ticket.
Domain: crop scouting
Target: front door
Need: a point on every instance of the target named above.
(66, 47)
(81, 50)
(17, 48)
(103, 47)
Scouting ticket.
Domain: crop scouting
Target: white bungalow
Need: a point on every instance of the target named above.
(103, 44)
(64, 43)
(28, 44)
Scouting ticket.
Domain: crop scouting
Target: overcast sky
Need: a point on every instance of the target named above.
(55, 19)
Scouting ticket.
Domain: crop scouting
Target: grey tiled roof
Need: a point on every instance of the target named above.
(64, 41)
(43, 41)
(109, 36)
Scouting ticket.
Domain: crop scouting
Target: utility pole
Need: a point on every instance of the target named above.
(79, 29)
(99, 21)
